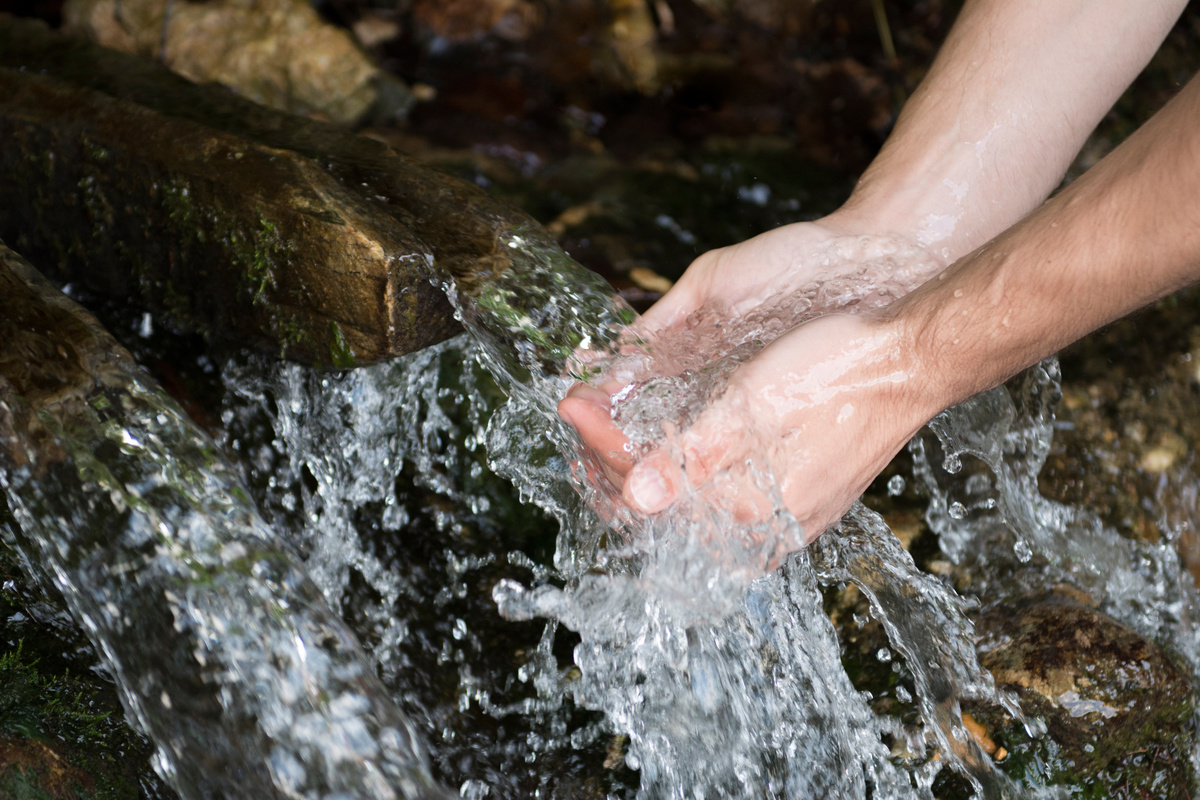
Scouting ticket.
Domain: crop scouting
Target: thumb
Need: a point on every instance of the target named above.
(683, 462)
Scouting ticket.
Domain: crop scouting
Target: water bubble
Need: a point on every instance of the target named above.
(472, 789)
(1035, 727)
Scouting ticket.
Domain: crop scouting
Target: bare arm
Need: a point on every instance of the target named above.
(1015, 90)
(1122, 236)
(1013, 94)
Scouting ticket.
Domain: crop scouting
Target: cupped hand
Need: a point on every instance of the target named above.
(826, 406)
(827, 253)
(744, 275)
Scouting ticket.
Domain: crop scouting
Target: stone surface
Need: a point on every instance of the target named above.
(111, 493)
(248, 224)
(61, 736)
(1105, 693)
(276, 52)
(54, 355)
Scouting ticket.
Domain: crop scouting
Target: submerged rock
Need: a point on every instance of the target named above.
(245, 223)
(276, 52)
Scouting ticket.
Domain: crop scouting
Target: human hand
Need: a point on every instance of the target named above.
(828, 253)
(826, 406)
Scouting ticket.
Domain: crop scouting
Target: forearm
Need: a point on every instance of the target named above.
(1122, 236)
(1012, 96)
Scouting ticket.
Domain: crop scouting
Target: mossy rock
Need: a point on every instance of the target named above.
(250, 225)
(1116, 708)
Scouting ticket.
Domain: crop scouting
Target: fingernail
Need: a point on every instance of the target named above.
(581, 391)
(647, 490)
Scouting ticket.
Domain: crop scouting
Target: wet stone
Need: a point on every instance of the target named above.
(246, 224)
(1128, 424)
(1106, 694)
(83, 431)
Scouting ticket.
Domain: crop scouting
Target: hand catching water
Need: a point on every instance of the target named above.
(820, 403)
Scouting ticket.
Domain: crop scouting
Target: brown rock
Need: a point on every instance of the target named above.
(53, 354)
(26, 762)
(227, 235)
(469, 20)
(275, 52)
(248, 224)
(1104, 691)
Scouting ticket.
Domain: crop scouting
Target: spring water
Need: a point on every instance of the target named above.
(229, 605)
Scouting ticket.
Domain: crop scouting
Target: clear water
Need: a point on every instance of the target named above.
(229, 603)
(226, 654)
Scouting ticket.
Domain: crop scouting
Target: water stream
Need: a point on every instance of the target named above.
(513, 642)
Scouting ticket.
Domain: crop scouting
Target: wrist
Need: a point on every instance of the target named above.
(883, 364)
(930, 383)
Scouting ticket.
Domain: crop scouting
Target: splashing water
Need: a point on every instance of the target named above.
(715, 675)
(225, 653)
(987, 511)
(726, 678)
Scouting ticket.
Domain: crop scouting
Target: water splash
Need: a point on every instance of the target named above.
(986, 509)
(715, 675)
(225, 653)
(726, 677)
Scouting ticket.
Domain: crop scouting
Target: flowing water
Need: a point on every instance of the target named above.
(518, 643)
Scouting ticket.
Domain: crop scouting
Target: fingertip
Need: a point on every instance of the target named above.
(647, 490)
(581, 414)
(565, 410)
(588, 393)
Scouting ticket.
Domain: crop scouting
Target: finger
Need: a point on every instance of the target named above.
(653, 484)
(679, 301)
(657, 480)
(587, 410)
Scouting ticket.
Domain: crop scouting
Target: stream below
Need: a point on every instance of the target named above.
(400, 583)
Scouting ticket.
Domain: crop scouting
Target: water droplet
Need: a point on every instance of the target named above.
(957, 510)
(895, 485)
(1023, 551)
(884, 655)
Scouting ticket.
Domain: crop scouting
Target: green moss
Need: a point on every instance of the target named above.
(290, 331)
(259, 258)
(17, 783)
(59, 710)
(341, 355)
(1146, 762)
